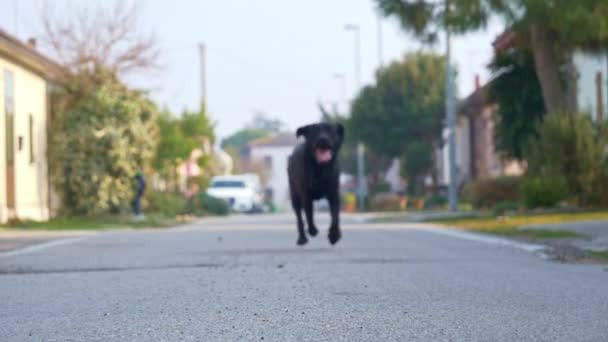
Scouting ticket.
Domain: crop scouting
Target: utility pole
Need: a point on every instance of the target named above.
(380, 46)
(203, 56)
(361, 181)
(451, 119)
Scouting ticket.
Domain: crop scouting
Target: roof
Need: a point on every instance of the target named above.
(285, 139)
(20, 53)
(473, 103)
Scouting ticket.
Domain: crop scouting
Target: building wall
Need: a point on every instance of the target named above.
(31, 183)
(588, 65)
(278, 180)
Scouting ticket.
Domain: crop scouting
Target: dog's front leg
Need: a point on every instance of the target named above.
(296, 202)
(334, 229)
(308, 210)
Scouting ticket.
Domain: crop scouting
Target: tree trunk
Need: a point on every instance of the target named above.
(547, 59)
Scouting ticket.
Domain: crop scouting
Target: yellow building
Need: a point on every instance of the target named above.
(25, 82)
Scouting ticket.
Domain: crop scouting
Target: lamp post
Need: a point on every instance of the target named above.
(451, 119)
(361, 182)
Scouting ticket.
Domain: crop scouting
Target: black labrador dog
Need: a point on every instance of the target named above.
(314, 174)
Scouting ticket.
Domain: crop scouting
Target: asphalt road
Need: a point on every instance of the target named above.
(243, 279)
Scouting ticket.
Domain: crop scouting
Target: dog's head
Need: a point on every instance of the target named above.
(323, 140)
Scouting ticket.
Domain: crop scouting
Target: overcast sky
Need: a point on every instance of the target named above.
(273, 56)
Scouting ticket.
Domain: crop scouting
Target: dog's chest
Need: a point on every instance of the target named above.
(319, 184)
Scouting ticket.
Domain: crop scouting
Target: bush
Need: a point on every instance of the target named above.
(544, 192)
(385, 202)
(167, 203)
(505, 207)
(572, 147)
(212, 205)
(102, 133)
(487, 193)
(436, 201)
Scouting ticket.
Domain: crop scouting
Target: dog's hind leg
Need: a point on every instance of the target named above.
(296, 203)
(308, 209)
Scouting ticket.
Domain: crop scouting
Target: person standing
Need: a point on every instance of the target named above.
(139, 192)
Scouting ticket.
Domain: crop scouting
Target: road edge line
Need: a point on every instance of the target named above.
(41, 246)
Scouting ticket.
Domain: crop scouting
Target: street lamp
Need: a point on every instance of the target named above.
(361, 182)
(451, 119)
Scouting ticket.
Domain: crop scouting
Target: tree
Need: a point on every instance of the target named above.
(552, 30)
(405, 106)
(99, 139)
(179, 136)
(517, 92)
(416, 163)
(100, 36)
(260, 127)
(263, 123)
(239, 140)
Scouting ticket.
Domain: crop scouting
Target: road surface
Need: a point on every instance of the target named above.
(243, 279)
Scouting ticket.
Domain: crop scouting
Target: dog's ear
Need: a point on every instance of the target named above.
(340, 131)
(304, 131)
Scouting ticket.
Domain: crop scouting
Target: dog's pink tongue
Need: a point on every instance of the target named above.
(323, 156)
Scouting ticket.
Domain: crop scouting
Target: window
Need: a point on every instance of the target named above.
(228, 184)
(31, 133)
(9, 112)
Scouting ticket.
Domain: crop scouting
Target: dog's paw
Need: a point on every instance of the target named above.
(302, 240)
(334, 235)
(313, 231)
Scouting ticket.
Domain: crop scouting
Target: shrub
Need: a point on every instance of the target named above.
(167, 203)
(505, 207)
(544, 192)
(212, 205)
(385, 202)
(102, 133)
(436, 201)
(570, 146)
(486, 193)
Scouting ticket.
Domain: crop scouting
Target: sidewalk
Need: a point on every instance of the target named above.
(595, 234)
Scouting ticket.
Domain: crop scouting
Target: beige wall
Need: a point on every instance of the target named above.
(31, 183)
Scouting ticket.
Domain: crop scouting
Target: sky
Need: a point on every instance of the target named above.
(272, 56)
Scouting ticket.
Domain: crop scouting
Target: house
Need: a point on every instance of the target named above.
(274, 153)
(26, 81)
(476, 156)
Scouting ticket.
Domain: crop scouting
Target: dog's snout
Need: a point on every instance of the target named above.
(324, 142)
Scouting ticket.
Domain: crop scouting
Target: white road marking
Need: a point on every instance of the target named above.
(41, 246)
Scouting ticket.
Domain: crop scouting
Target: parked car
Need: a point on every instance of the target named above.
(242, 192)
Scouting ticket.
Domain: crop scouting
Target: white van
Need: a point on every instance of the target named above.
(242, 192)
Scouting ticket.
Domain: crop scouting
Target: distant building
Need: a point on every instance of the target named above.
(274, 152)
(476, 155)
(26, 79)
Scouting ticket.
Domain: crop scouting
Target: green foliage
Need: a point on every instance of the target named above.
(168, 203)
(179, 136)
(574, 23)
(212, 205)
(544, 192)
(553, 29)
(435, 202)
(517, 92)
(416, 163)
(239, 140)
(570, 146)
(405, 105)
(487, 193)
(101, 135)
(505, 207)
